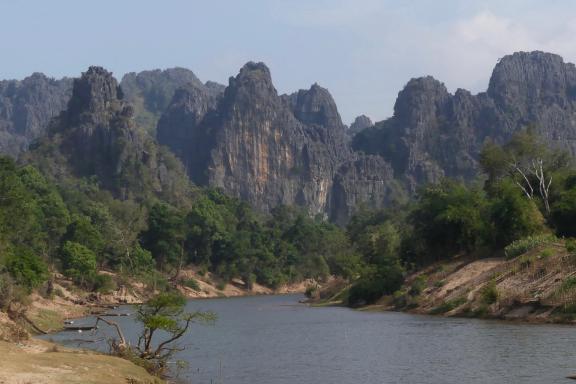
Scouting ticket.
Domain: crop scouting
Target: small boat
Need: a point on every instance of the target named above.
(81, 328)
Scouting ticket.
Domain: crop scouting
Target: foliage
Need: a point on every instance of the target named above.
(513, 216)
(489, 294)
(418, 285)
(27, 269)
(448, 306)
(165, 321)
(79, 262)
(526, 244)
(191, 283)
(449, 218)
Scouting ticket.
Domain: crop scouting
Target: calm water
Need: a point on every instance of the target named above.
(275, 340)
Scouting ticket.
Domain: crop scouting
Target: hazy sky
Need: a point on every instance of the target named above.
(363, 51)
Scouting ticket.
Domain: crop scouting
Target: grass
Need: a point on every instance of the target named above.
(47, 320)
(68, 366)
(448, 306)
(192, 283)
(489, 294)
(526, 244)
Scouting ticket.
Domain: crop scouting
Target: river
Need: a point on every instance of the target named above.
(276, 340)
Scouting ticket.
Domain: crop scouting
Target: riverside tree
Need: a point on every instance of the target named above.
(164, 322)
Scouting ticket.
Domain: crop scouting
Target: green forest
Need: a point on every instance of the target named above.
(73, 226)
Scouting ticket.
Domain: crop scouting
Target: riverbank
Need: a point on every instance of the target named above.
(36, 361)
(538, 286)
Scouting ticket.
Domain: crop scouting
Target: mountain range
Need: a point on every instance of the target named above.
(270, 149)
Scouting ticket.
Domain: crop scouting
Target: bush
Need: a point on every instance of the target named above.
(191, 283)
(568, 284)
(11, 292)
(546, 253)
(448, 306)
(27, 269)
(526, 244)
(418, 285)
(571, 245)
(489, 293)
(103, 283)
(79, 262)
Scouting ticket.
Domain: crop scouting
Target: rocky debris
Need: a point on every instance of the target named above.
(26, 108)
(434, 134)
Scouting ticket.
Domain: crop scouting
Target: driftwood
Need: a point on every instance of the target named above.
(114, 314)
(34, 326)
(112, 324)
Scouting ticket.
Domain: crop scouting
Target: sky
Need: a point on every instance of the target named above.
(362, 51)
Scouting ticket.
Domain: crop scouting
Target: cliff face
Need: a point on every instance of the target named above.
(96, 137)
(265, 148)
(271, 149)
(151, 92)
(435, 134)
(26, 108)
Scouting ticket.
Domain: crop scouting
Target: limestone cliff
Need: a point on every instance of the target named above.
(434, 133)
(269, 149)
(26, 108)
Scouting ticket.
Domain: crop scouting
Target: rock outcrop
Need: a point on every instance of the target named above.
(26, 108)
(96, 137)
(360, 123)
(150, 92)
(434, 134)
(269, 149)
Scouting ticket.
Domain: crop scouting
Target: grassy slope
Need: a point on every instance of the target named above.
(42, 363)
(528, 287)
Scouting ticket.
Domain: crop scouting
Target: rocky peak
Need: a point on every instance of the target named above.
(151, 92)
(94, 92)
(316, 106)
(360, 123)
(26, 108)
(254, 81)
(421, 96)
(532, 77)
(97, 137)
(269, 150)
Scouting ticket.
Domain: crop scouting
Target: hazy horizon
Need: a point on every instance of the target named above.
(363, 52)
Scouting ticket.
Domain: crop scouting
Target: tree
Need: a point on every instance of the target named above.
(27, 269)
(165, 321)
(79, 262)
(563, 213)
(512, 215)
(527, 162)
(449, 218)
(165, 236)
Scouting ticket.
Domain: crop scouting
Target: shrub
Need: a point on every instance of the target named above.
(79, 261)
(448, 306)
(103, 283)
(489, 293)
(27, 269)
(191, 283)
(518, 247)
(546, 253)
(311, 290)
(568, 284)
(571, 245)
(418, 285)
